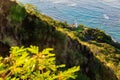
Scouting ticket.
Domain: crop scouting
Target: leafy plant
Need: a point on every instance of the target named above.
(29, 63)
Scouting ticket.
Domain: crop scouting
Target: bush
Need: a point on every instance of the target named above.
(30, 64)
(17, 13)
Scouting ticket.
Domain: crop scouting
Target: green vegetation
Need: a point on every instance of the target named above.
(29, 63)
(91, 49)
(17, 13)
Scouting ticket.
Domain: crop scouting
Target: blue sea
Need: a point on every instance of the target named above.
(102, 14)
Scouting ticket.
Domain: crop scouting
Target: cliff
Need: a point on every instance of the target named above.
(92, 49)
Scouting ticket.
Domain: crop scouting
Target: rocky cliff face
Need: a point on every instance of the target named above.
(5, 29)
(20, 25)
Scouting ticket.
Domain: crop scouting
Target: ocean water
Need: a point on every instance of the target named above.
(102, 14)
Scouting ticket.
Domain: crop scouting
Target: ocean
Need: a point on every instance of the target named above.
(101, 14)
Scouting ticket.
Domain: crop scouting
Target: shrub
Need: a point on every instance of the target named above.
(30, 64)
(17, 13)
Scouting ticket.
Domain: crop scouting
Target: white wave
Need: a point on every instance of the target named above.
(66, 2)
(72, 4)
(110, 0)
(59, 1)
(114, 3)
(106, 16)
(56, 1)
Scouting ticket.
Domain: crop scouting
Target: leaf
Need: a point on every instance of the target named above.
(60, 66)
(33, 49)
(47, 51)
(17, 50)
